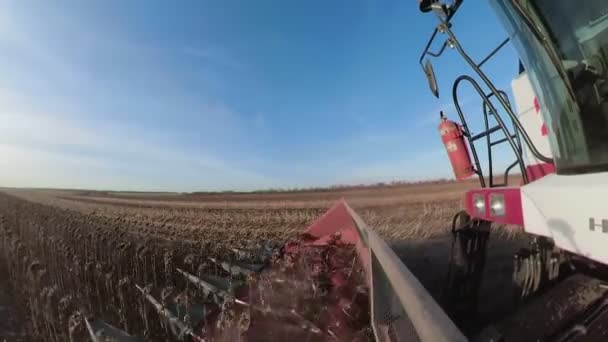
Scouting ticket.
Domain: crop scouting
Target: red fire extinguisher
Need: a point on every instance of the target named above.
(453, 140)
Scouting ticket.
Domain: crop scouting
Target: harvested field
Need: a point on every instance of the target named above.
(68, 250)
(396, 212)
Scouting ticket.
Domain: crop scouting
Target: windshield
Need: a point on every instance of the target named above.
(564, 46)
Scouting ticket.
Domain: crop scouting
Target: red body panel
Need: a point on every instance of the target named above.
(513, 209)
(458, 152)
(337, 226)
(538, 171)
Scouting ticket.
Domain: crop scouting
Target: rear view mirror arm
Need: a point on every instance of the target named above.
(426, 51)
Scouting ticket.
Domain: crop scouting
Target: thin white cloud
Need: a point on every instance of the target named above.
(22, 166)
(40, 147)
(47, 149)
(16, 36)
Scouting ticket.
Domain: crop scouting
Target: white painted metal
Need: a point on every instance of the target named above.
(561, 207)
(572, 210)
(530, 119)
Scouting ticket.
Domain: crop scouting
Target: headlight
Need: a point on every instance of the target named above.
(497, 204)
(479, 202)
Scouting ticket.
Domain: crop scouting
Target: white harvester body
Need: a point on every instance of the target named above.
(569, 209)
(530, 116)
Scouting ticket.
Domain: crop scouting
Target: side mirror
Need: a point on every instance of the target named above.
(442, 9)
(430, 77)
(425, 5)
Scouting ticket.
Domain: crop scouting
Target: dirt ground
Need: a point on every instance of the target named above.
(428, 260)
(399, 212)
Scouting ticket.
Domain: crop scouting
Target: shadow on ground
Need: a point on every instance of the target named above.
(428, 260)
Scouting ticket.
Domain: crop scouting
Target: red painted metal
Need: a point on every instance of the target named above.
(455, 145)
(538, 171)
(390, 282)
(513, 207)
(336, 226)
(322, 258)
(543, 127)
(335, 220)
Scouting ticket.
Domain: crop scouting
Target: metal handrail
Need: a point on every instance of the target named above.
(428, 319)
(491, 144)
(499, 121)
(514, 140)
(445, 27)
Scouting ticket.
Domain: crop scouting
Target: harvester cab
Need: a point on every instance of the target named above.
(557, 132)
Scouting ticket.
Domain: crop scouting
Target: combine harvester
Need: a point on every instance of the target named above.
(559, 140)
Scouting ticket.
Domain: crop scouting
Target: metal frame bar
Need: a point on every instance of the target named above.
(430, 322)
(499, 121)
(452, 10)
(491, 144)
(493, 52)
(445, 27)
(506, 175)
(486, 133)
(514, 140)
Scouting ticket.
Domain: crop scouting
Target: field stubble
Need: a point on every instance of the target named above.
(63, 246)
(397, 213)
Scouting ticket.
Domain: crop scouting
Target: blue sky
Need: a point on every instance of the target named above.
(214, 95)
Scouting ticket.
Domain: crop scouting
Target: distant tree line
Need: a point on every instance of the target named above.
(336, 187)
